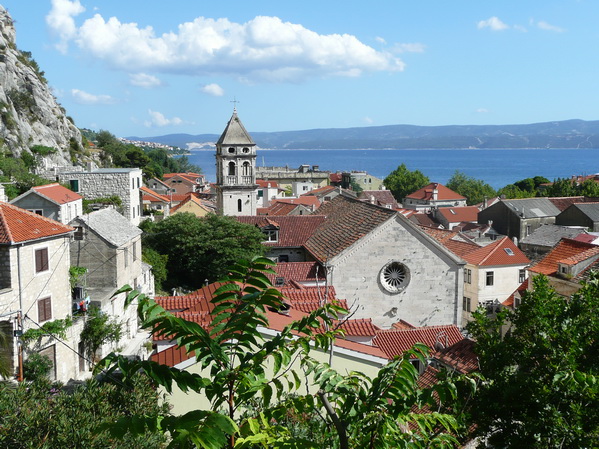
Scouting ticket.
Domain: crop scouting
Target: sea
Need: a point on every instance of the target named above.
(496, 167)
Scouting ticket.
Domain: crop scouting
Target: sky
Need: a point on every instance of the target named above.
(150, 68)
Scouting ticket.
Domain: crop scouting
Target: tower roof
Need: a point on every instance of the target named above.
(235, 133)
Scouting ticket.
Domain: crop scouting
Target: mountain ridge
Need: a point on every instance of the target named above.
(574, 133)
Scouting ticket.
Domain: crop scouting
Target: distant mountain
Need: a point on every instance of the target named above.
(562, 134)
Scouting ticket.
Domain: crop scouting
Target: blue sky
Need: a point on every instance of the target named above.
(150, 68)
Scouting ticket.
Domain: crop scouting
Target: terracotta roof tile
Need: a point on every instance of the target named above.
(564, 250)
(394, 342)
(460, 356)
(264, 183)
(443, 193)
(509, 302)
(298, 271)
(18, 225)
(57, 193)
(278, 208)
(359, 328)
(379, 197)
(150, 195)
(500, 252)
(458, 214)
(347, 221)
(452, 240)
(294, 230)
(402, 324)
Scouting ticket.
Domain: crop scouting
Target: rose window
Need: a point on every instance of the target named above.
(394, 277)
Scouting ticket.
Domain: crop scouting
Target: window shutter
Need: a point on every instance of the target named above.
(41, 260)
(44, 309)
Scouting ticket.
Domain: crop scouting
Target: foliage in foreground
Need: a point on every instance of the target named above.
(542, 387)
(261, 390)
(41, 415)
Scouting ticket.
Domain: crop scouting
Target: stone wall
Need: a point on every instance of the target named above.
(124, 183)
(433, 294)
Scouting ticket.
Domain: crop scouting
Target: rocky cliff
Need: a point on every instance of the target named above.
(29, 113)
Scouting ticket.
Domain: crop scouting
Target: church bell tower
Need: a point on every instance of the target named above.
(236, 188)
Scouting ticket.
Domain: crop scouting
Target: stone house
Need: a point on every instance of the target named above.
(519, 218)
(194, 205)
(153, 202)
(52, 201)
(181, 183)
(109, 246)
(105, 182)
(35, 287)
(544, 239)
(382, 198)
(286, 176)
(580, 214)
(492, 272)
(432, 196)
(450, 217)
(385, 266)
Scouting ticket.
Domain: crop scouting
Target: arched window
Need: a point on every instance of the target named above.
(239, 205)
(231, 168)
(246, 169)
(246, 150)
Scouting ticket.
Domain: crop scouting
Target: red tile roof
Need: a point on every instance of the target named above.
(566, 249)
(460, 356)
(320, 191)
(308, 201)
(500, 252)
(425, 220)
(443, 193)
(263, 183)
(347, 221)
(452, 240)
(277, 209)
(379, 197)
(294, 230)
(402, 324)
(299, 272)
(458, 214)
(562, 203)
(509, 302)
(18, 225)
(359, 328)
(57, 193)
(335, 177)
(150, 195)
(191, 198)
(395, 342)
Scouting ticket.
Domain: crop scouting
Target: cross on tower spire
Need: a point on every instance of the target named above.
(235, 101)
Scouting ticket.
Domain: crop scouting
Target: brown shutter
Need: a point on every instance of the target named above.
(44, 309)
(41, 260)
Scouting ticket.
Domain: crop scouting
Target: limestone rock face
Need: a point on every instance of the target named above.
(29, 113)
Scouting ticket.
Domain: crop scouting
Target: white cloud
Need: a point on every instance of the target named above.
(368, 120)
(264, 48)
(548, 27)
(158, 120)
(213, 89)
(380, 40)
(82, 97)
(494, 23)
(482, 111)
(144, 80)
(60, 21)
(409, 48)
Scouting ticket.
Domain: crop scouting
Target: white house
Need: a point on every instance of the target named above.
(53, 201)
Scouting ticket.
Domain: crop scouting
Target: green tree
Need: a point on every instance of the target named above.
(401, 182)
(248, 379)
(475, 190)
(42, 415)
(542, 385)
(201, 249)
(99, 329)
(159, 266)
(561, 187)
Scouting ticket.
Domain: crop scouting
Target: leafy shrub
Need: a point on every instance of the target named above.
(43, 150)
(36, 367)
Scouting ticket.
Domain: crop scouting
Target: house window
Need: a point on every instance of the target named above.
(41, 260)
(490, 276)
(246, 169)
(231, 150)
(36, 211)
(239, 206)
(126, 257)
(134, 251)
(231, 168)
(44, 309)
(468, 276)
(246, 150)
(521, 276)
(74, 185)
(78, 235)
(517, 302)
(272, 235)
(284, 258)
(466, 304)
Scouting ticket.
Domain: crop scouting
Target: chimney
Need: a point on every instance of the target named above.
(435, 192)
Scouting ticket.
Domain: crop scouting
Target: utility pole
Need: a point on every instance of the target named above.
(18, 332)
